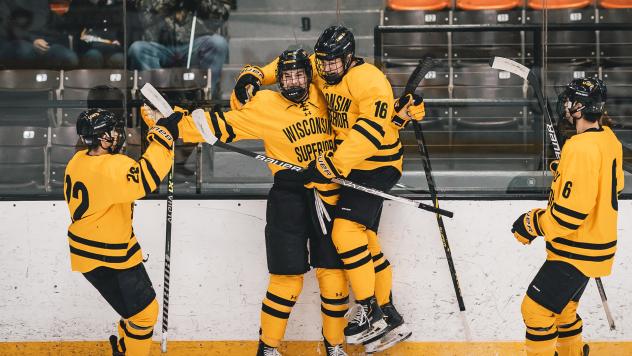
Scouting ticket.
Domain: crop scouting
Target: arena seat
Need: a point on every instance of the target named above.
(615, 4)
(423, 5)
(22, 158)
(64, 142)
(182, 80)
(407, 48)
(616, 45)
(487, 4)
(23, 87)
(133, 142)
(558, 4)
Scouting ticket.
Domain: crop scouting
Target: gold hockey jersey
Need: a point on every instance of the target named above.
(580, 222)
(360, 108)
(100, 192)
(295, 133)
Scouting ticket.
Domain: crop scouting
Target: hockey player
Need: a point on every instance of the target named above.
(579, 224)
(369, 152)
(294, 127)
(100, 187)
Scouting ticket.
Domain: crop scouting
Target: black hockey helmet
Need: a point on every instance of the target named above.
(590, 93)
(94, 125)
(294, 59)
(334, 42)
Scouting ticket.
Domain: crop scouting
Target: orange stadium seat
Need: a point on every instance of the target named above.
(425, 5)
(616, 4)
(558, 4)
(487, 4)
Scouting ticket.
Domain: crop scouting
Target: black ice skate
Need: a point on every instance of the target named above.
(114, 344)
(367, 321)
(265, 350)
(334, 350)
(396, 331)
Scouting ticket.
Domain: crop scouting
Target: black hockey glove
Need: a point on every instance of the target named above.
(248, 83)
(527, 227)
(321, 170)
(171, 124)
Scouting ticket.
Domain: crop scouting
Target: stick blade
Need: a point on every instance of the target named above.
(508, 65)
(199, 119)
(154, 97)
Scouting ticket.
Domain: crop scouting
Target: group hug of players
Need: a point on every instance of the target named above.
(336, 116)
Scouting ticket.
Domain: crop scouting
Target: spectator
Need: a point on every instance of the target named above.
(98, 29)
(35, 37)
(166, 33)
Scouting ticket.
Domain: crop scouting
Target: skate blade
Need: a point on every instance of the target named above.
(377, 329)
(389, 340)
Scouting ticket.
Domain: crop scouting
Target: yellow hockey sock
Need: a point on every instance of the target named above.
(334, 297)
(569, 325)
(383, 270)
(135, 333)
(351, 243)
(283, 291)
(541, 329)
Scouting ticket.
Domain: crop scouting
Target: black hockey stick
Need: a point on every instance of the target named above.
(424, 66)
(530, 76)
(202, 125)
(161, 104)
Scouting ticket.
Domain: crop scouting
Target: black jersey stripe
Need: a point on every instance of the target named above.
(104, 258)
(329, 193)
(585, 245)
(391, 146)
(373, 124)
(143, 178)
(368, 135)
(229, 128)
(382, 266)
(577, 256)
(378, 256)
(569, 212)
(280, 300)
(388, 158)
(151, 170)
(564, 223)
(216, 129)
(97, 244)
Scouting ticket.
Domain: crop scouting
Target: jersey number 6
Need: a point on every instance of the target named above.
(74, 190)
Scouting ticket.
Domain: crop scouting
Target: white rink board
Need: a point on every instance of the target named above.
(219, 273)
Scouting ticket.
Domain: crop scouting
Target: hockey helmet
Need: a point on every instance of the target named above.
(94, 125)
(589, 93)
(292, 89)
(335, 42)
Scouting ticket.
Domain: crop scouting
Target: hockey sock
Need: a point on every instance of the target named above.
(383, 270)
(334, 297)
(569, 325)
(351, 243)
(135, 332)
(277, 305)
(541, 329)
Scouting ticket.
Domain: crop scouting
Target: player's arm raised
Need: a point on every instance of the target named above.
(131, 180)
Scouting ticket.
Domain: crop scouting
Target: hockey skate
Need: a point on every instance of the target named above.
(367, 322)
(334, 350)
(114, 344)
(265, 350)
(585, 350)
(396, 331)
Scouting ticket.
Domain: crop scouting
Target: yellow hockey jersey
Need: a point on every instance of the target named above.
(295, 133)
(580, 222)
(100, 192)
(360, 108)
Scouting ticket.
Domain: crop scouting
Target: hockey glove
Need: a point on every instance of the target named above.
(408, 107)
(321, 170)
(171, 124)
(527, 226)
(248, 84)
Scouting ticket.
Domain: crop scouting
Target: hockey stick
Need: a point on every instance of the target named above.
(151, 94)
(191, 38)
(529, 75)
(202, 125)
(424, 66)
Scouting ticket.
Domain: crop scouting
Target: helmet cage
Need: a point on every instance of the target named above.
(290, 60)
